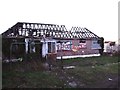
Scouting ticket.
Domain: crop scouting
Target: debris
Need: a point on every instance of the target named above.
(55, 86)
(93, 66)
(82, 85)
(64, 72)
(69, 67)
(111, 54)
(72, 77)
(73, 84)
(21, 59)
(61, 77)
(64, 84)
(13, 60)
(7, 61)
(110, 79)
(45, 66)
(69, 78)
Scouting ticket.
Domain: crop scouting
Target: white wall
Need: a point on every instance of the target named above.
(45, 46)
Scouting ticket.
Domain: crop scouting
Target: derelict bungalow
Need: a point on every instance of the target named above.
(40, 40)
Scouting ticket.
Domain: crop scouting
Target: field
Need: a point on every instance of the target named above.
(92, 72)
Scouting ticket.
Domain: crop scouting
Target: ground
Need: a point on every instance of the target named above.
(92, 72)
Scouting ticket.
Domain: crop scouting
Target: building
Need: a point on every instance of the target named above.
(110, 47)
(40, 40)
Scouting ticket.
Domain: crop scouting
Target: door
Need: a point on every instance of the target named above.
(38, 49)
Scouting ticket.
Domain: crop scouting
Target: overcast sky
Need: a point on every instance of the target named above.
(99, 16)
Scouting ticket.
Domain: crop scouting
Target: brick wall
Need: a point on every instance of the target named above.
(81, 51)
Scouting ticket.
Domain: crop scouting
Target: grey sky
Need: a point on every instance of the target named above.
(99, 16)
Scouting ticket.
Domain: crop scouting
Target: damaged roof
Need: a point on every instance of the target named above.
(24, 29)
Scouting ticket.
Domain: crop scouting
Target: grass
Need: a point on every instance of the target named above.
(30, 80)
(90, 76)
(93, 60)
(91, 72)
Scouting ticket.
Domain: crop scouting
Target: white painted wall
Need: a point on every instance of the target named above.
(26, 45)
(108, 48)
(45, 46)
(44, 49)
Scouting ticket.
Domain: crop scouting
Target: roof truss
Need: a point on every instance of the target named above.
(23, 29)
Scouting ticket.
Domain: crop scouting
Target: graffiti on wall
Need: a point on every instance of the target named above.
(71, 45)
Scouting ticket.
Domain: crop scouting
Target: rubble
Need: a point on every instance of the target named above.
(69, 67)
(73, 84)
(110, 79)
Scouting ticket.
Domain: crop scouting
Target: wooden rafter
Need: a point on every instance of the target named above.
(24, 29)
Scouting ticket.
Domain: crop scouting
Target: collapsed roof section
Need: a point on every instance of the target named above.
(38, 30)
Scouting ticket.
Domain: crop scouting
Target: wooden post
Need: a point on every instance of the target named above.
(61, 57)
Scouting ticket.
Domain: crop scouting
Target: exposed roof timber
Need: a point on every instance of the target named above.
(92, 32)
(87, 32)
(56, 31)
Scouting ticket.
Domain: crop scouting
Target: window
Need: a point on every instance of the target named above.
(51, 47)
(112, 43)
(95, 45)
(82, 41)
(32, 47)
(95, 42)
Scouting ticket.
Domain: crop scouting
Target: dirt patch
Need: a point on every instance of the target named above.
(111, 81)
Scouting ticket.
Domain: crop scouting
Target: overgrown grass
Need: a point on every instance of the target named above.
(90, 76)
(90, 71)
(30, 80)
(93, 69)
